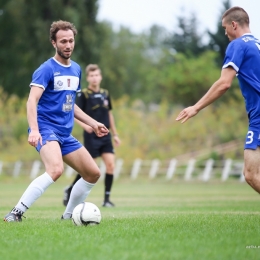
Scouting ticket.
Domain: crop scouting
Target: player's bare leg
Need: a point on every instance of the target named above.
(52, 159)
(252, 168)
(81, 161)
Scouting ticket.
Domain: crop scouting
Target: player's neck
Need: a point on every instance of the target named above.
(61, 60)
(243, 31)
(94, 88)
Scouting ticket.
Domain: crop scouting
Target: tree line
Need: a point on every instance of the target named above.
(153, 66)
(172, 69)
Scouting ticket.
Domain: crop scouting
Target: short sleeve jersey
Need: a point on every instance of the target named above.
(243, 55)
(55, 108)
(95, 104)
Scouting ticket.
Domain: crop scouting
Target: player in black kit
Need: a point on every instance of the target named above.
(95, 102)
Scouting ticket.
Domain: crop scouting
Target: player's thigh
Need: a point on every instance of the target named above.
(82, 162)
(52, 158)
(252, 161)
(109, 160)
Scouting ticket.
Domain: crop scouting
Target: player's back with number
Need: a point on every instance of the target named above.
(243, 54)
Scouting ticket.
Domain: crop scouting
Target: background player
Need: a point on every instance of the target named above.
(50, 112)
(242, 59)
(96, 102)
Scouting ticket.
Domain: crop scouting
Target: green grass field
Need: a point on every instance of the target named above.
(153, 220)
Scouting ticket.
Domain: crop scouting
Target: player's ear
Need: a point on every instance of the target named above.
(53, 44)
(234, 25)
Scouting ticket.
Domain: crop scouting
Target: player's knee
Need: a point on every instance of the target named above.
(94, 176)
(56, 172)
(249, 175)
(97, 174)
(110, 167)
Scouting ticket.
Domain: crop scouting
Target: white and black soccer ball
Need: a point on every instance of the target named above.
(86, 213)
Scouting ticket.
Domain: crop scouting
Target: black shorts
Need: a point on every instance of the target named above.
(98, 145)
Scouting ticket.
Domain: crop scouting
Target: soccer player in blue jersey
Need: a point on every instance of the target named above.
(51, 110)
(242, 59)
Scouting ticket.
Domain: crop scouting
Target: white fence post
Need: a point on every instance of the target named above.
(102, 168)
(35, 169)
(242, 177)
(190, 169)
(17, 168)
(171, 169)
(118, 167)
(1, 166)
(226, 169)
(154, 168)
(136, 168)
(69, 171)
(208, 169)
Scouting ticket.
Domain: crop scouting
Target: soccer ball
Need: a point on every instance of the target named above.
(86, 213)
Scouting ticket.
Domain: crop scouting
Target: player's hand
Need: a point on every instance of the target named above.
(100, 129)
(117, 140)
(34, 137)
(187, 113)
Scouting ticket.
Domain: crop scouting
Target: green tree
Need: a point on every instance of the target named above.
(186, 80)
(128, 62)
(24, 36)
(218, 40)
(187, 39)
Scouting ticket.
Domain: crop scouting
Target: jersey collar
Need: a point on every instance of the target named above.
(61, 63)
(247, 34)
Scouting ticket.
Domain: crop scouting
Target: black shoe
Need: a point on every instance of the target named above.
(66, 195)
(14, 216)
(108, 204)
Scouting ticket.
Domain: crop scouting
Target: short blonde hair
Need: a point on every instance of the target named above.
(92, 67)
(236, 14)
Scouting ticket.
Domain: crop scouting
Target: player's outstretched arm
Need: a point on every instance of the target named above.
(216, 91)
(99, 128)
(187, 113)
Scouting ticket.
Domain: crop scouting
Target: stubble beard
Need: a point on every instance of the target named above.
(60, 53)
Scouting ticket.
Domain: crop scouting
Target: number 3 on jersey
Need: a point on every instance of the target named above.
(249, 137)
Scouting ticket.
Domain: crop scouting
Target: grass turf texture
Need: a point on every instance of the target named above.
(152, 220)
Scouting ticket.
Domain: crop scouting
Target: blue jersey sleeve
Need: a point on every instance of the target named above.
(42, 76)
(234, 55)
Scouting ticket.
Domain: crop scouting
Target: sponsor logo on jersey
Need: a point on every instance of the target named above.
(66, 107)
(105, 102)
(248, 38)
(98, 95)
(59, 83)
(56, 73)
(66, 83)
